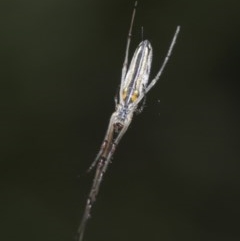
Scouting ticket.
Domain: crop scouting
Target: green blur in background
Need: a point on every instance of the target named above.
(175, 175)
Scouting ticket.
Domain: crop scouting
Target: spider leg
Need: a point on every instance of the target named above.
(103, 160)
(125, 63)
(107, 141)
(154, 81)
(92, 196)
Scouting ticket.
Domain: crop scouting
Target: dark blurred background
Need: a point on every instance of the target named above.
(175, 175)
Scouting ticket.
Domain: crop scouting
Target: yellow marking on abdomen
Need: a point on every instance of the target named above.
(134, 96)
(124, 94)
